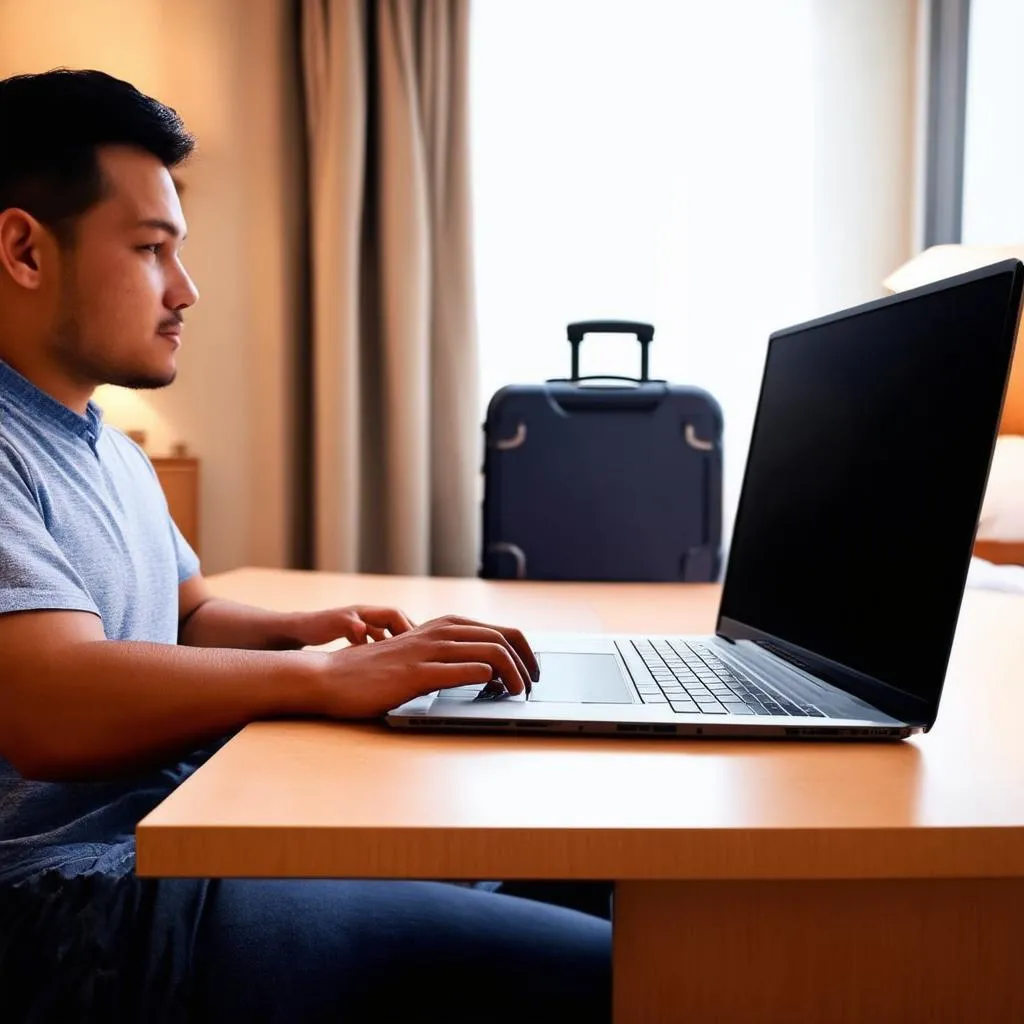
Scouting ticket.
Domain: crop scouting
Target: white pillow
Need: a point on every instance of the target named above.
(1002, 512)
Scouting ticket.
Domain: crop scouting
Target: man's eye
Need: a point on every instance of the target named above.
(154, 248)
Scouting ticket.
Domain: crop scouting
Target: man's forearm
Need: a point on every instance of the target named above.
(221, 623)
(89, 710)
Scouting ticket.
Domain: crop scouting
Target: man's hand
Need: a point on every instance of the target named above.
(356, 624)
(367, 680)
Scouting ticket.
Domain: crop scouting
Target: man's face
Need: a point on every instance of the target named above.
(123, 288)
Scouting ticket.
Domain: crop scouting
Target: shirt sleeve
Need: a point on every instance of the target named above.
(34, 574)
(188, 560)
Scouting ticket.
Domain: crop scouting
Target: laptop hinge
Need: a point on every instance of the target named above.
(898, 704)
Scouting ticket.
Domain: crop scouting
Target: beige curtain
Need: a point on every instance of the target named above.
(394, 388)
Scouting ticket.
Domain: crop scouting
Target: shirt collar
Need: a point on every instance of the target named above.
(45, 407)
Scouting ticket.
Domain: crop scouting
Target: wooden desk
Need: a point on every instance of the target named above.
(756, 880)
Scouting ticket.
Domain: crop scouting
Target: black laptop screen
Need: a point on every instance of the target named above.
(865, 477)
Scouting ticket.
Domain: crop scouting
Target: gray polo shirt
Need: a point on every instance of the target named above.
(83, 526)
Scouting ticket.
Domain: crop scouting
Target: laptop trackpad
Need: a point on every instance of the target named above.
(581, 678)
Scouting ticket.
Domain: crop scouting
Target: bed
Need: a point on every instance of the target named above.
(1001, 525)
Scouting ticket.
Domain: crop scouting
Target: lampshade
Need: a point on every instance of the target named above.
(941, 261)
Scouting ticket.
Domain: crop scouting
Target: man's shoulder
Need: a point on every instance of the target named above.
(21, 439)
(131, 454)
(123, 442)
(13, 459)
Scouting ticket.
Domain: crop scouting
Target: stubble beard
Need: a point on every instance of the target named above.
(80, 360)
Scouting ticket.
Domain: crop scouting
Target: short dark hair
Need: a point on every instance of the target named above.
(50, 127)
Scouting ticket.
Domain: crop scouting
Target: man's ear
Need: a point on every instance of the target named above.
(26, 247)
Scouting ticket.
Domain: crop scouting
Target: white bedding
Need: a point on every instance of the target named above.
(1002, 517)
(988, 576)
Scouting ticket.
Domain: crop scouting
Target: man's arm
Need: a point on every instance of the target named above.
(208, 621)
(74, 705)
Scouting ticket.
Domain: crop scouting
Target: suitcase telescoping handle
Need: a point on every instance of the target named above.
(644, 334)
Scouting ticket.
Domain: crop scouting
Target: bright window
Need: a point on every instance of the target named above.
(657, 161)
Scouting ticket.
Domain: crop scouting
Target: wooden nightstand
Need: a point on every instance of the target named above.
(179, 478)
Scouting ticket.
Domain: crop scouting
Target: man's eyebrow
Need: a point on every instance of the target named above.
(162, 225)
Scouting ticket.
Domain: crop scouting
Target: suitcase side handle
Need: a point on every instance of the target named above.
(644, 334)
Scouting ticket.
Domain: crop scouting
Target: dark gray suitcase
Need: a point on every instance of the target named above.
(614, 481)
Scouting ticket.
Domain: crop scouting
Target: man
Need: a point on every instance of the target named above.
(120, 674)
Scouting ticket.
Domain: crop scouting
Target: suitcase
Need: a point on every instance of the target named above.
(613, 481)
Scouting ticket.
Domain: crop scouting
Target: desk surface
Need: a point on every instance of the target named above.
(329, 799)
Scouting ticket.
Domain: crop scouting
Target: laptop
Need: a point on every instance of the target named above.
(868, 461)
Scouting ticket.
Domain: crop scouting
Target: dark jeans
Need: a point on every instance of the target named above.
(123, 950)
(303, 951)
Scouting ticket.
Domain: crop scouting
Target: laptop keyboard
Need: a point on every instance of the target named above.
(691, 679)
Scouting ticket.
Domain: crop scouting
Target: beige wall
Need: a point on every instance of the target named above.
(866, 105)
(223, 64)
